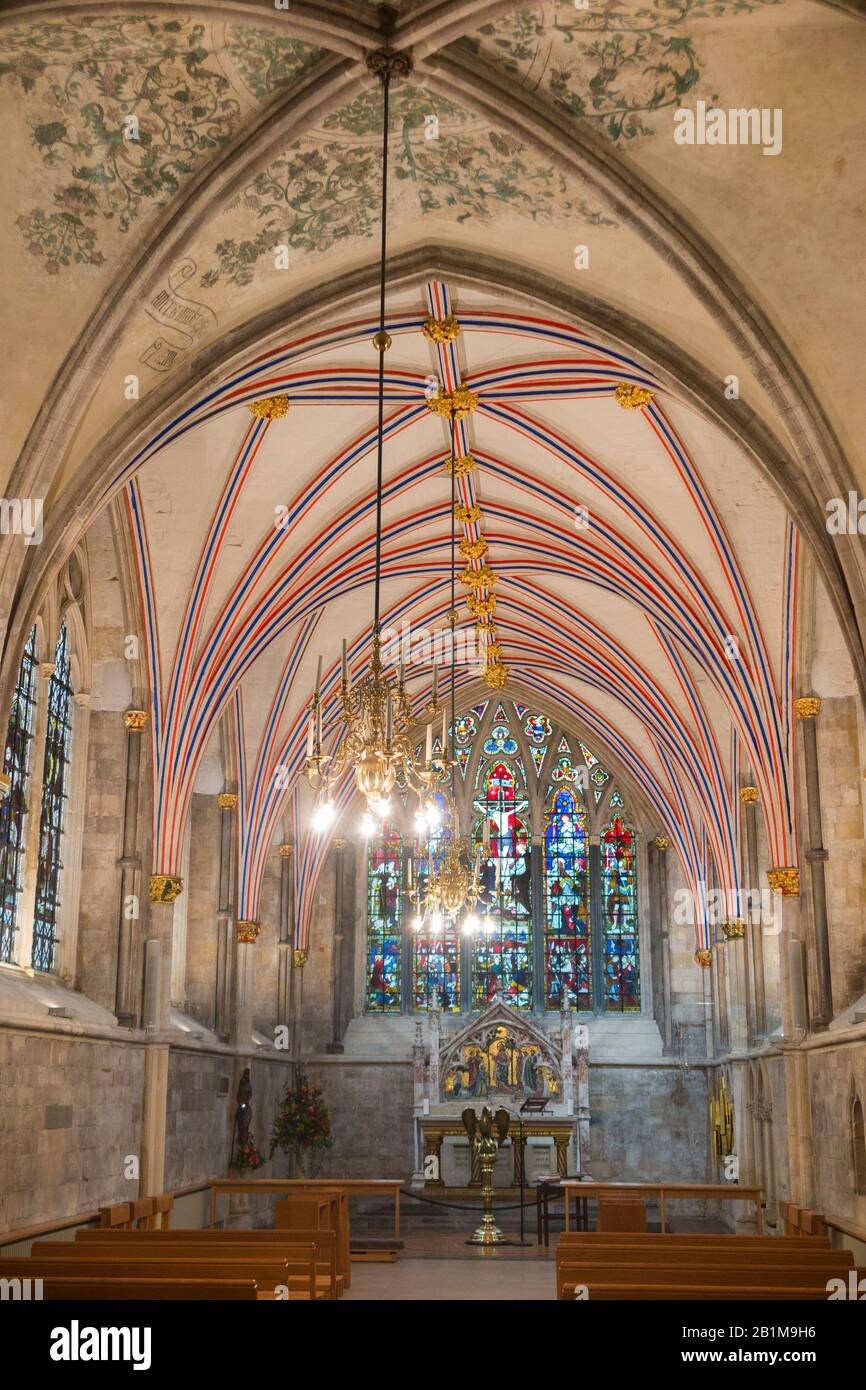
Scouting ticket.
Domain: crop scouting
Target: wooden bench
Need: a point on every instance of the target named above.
(678, 1293)
(800, 1221)
(325, 1209)
(640, 1264)
(144, 1213)
(684, 1239)
(296, 1275)
(277, 1243)
(68, 1290)
(706, 1275)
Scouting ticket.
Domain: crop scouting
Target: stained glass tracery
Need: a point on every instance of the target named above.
(619, 917)
(435, 945)
(13, 807)
(502, 962)
(384, 922)
(567, 953)
(54, 774)
(586, 916)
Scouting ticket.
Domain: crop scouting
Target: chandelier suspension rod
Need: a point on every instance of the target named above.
(382, 343)
(453, 613)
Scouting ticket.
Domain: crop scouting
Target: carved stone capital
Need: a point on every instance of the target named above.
(748, 795)
(135, 720)
(704, 958)
(164, 888)
(300, 958)
(227, 801)
(247, 933)
(785, 881)
(808, 707)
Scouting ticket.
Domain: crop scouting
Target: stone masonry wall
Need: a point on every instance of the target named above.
(70, 1112)
(648, 1123)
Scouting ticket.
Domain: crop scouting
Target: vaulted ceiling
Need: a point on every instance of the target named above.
(661, 621)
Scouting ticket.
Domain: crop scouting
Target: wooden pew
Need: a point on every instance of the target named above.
(144, 1213)
(679, 1293)
(71, 1289)
(319, 1209)
(267, 1271)
(751, 1274)
(679, 1240)
(621, 1214)
(640, 1264)
(280, 1243)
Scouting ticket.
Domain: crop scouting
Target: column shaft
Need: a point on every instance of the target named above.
(817, 857)
(129, 865)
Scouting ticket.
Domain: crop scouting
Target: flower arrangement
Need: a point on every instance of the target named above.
(247, 1158)
(302, 1121)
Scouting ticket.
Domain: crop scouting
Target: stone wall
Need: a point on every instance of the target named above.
(201, 921)
(70, 1113)
(371, 1115)
(840, 771)
(200, 1120)
(832, 1071)
(102, 845)
(648, 1124)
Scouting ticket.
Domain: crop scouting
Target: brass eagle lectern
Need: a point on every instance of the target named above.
(487, 1132)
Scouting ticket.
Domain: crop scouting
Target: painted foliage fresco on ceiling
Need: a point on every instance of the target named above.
(326, 188)
(616, 65)
(187, 84)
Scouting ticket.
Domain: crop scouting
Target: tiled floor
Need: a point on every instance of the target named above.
(436, 1280)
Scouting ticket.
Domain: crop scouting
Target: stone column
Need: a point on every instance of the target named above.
(536, 902)
(164, 889)
(129, 866)
(808, 709)
(661, 843)
(286, 934)
(735, 956)
(225, 942)
(246, 936)
(336, 1043)
(754, 917)
(785, 883)
(300, 956)
(704, 958)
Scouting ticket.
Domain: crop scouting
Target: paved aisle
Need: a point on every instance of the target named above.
(431, 1280)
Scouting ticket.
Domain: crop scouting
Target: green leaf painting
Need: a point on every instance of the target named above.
(123, 107)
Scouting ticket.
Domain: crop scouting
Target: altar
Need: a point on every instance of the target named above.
(505, 1058)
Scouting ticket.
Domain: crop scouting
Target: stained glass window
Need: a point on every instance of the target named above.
(384, 919)
(435, 953)
(50, 864)
(13, 807)
(537, 727)
(567, 950)
(502, 962)
(619, 918)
